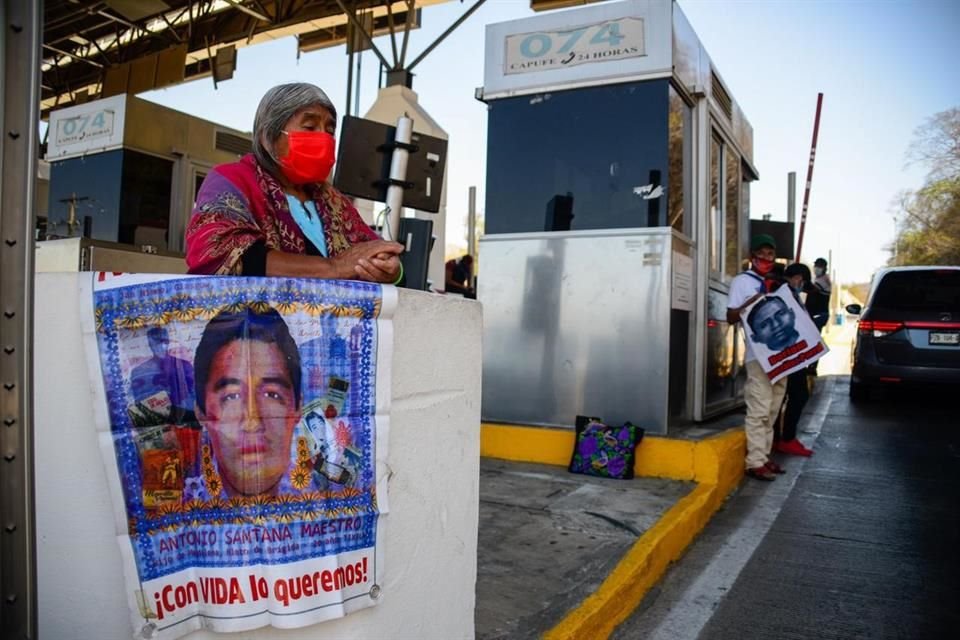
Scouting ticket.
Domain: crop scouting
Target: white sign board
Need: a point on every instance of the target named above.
(601, 42)
(681, 289)
(86, 128)
(593, 45)
(782, 334)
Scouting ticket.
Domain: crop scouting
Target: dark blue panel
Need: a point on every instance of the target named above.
(145, 200)
(598, 144)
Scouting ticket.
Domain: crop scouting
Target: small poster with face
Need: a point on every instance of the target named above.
(782, 334)
(243, 427)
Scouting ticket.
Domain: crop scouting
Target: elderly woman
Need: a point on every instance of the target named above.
(273, 213)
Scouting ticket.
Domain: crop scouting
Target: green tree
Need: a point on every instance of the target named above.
(930, 229)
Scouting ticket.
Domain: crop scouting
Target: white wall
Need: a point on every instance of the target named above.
(430, 533)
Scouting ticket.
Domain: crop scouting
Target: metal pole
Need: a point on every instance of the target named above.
(20, 48)
(356, 97)
(349, 78)
(806, 191)
(398, 173)
(792, 196)
(472, 222)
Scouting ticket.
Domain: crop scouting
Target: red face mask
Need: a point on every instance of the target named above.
(311, 156)
(762, 266)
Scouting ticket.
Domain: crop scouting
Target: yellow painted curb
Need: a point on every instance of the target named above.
(656, 457)
(716, 464)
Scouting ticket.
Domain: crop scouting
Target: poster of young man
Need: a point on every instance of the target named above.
(258, 504)
(783, 336)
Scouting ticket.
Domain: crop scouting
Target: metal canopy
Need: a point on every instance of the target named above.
(95, 48)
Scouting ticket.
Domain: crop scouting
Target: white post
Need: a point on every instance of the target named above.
(398, 173)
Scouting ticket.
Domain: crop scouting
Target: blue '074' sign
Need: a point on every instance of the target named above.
(599, 42)
(85, 126)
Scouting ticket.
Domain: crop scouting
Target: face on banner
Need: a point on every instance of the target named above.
(248, 370)
(781, 333)
(773, 324)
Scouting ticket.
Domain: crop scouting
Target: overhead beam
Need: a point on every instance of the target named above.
(238, 4)
(352, 17)
(70, 55)
(446, 33)
(193, 20)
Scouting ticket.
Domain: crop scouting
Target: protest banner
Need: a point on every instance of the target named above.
(782, 334)
(243, 425)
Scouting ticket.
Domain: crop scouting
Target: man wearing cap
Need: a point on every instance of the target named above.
(818, 294)
(763, 397)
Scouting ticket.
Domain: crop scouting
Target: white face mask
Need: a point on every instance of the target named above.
(819, 271)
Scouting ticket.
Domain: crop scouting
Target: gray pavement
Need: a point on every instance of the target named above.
(860, 542)
(548, 539)
(685, 599)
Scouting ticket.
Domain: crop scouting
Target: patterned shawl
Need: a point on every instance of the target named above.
(240, 204)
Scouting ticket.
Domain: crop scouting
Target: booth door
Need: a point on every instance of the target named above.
(189, 176)
(720, 389)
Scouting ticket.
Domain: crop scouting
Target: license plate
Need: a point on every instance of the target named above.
(945, 338)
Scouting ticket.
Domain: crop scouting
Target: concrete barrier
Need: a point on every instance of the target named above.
(430, 533)
(715, 464)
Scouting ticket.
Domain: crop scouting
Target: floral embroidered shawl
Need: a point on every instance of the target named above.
(240, 204)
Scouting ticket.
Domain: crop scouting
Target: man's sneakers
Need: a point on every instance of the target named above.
(767, 472)
(762, 473)
(775, 468)
(793, 448)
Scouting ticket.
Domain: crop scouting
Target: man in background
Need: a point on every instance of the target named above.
(459, 276)
(798, 393)
(762, 396)
(818, 294)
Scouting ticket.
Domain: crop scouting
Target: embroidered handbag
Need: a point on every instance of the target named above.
(604, 451)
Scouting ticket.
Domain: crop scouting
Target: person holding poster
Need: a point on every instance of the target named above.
(763, 397)
(782, 338)
(272, 213)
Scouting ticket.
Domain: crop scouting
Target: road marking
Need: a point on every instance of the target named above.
(690, 610)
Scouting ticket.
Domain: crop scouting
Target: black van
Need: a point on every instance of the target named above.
(909, 330)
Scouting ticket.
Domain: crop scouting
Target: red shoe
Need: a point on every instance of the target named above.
(761, 473)
(774, 467)
(794, 448)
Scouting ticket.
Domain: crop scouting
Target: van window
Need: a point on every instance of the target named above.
(926, 290)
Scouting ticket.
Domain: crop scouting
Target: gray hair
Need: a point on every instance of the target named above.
(278, 105)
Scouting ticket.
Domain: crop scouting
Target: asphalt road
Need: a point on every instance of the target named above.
(860, 541)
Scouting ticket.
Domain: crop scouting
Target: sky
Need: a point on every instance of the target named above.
(884, 67)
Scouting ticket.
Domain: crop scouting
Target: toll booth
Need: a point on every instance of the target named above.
(127, 170)
(617, 212)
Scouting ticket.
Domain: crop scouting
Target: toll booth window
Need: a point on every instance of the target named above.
(678, 172)
(732, 213)
(146, 186)
(716, 204)
(85, 196)
(590, 158)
